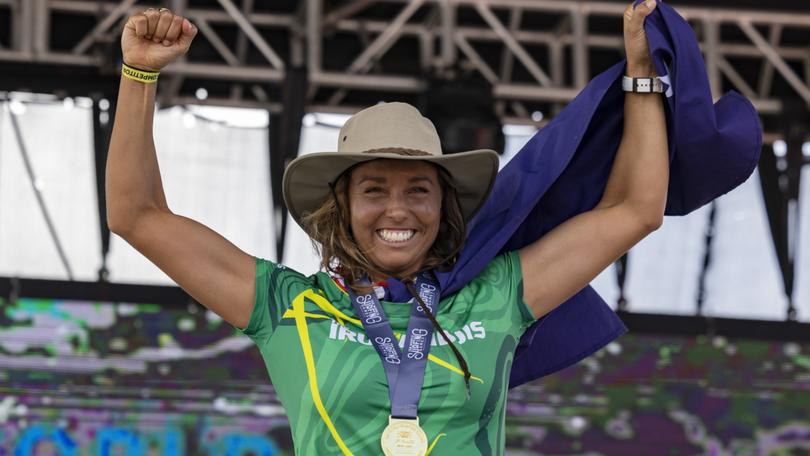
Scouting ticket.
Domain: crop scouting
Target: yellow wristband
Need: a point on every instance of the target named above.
(147, 77)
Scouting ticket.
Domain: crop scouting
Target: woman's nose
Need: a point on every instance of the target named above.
(397, 206)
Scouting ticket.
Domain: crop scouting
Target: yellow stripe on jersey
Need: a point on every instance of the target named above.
(303, 334)
(452, 368)
(430, 448)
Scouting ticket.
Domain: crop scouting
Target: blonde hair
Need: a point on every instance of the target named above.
(329, 228)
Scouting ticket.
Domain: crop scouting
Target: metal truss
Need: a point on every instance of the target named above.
(535, 54)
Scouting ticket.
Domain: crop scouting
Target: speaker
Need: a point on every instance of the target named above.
(463, 111)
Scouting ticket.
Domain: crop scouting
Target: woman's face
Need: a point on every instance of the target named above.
(395, 208)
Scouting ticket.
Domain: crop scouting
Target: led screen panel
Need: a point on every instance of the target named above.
(104, 378)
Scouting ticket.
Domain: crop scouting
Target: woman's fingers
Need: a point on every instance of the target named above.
(152, 16)
(635, 38)
(628, 12)
(643, 10)
(634, 16)
(187, 34)
(164, 21)
(141, 24)
(175, 28)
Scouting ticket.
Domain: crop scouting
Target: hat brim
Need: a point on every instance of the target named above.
(307, 178)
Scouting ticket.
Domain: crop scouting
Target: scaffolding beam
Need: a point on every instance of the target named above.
(520, 57)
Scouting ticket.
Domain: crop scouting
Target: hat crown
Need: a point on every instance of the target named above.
(389, 126)
(390, 131)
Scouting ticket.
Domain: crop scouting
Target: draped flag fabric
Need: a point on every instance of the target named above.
(563, 170)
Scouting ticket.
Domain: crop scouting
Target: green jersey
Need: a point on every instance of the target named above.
(331, 380)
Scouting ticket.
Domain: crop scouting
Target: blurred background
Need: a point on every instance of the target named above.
(101, 353)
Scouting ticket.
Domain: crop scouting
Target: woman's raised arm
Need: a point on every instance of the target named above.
(567, 258)
(211, 269)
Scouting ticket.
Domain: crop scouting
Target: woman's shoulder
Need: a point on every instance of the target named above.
(505, 266)
(278, 275)
(496, 294)
(270, 267)
(501, 274)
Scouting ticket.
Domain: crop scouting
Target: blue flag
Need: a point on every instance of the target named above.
(563, 170)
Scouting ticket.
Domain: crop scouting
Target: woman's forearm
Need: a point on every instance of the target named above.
(132, 175)
(640, 174)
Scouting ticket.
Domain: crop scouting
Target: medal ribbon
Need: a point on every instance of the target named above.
(405, 372)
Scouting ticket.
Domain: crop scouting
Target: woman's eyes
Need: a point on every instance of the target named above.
(375, 190)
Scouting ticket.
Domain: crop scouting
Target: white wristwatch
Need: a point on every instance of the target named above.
(642, 85)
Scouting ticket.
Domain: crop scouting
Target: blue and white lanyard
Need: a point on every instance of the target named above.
(405, 373)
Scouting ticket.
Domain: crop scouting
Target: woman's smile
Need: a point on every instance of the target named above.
(396, 236)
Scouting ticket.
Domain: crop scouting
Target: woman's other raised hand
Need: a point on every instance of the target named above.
(639, 60)
(153, 38)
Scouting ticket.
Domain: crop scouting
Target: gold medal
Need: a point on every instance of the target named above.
(403, 437)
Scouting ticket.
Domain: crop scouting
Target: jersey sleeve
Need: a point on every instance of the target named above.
(274, 285)
(524, 315)
(504, 273)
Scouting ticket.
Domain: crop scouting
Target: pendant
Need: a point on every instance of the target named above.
(403, 437)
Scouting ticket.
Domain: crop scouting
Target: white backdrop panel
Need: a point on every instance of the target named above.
(801, 297)
(663, 269)
(744, 279)
(59, 145)
(299, 252)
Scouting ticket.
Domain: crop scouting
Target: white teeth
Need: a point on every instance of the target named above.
(396, 235)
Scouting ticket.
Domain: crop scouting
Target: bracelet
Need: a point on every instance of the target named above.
(146, 77)
(642, 85)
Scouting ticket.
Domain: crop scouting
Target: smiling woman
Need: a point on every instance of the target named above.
(395, 211)
(387, 209)
(359, 233)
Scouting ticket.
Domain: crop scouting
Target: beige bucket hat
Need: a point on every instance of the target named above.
(379, 132)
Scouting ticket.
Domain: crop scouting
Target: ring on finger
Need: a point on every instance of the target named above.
(163, 9)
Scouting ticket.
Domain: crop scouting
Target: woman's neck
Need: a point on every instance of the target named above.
(383, 278)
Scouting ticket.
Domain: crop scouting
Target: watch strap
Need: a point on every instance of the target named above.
(642, 85)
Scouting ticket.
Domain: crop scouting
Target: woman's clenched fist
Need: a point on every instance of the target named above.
(152, 39)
